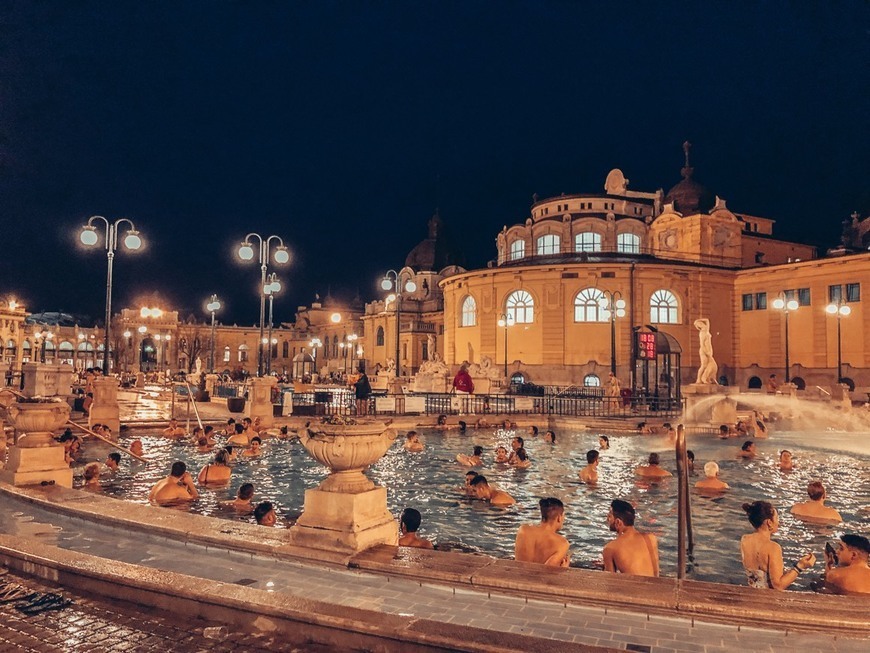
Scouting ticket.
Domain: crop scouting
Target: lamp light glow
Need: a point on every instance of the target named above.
(88, 236)
(132, 240)
(246, 251)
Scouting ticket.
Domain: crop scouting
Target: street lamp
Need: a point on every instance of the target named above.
(351, 345)
(612, 306)
(128, 353)
(44, 337)
(840, 309)
(505, 321)
(282, 256)
(132, 241)
(213, 306)
(272, 286)
(786, 305)
(391, 282)
(314, 343)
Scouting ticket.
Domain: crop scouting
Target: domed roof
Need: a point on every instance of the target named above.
(435, 252)
(688, 196)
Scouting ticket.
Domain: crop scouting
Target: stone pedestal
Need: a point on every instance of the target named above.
(44, 380)
(260, 400)
(105, 409)
(347, 513)
(395, 386)
(710, 404)
(36, 457)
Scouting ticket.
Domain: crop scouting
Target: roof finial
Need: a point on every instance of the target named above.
(686, 147)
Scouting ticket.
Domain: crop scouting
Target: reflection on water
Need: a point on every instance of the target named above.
(429, 481)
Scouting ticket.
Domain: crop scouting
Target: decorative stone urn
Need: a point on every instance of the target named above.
(36, 457)
(347, 512)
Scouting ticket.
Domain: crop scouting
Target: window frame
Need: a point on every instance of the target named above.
(592, 300)
(546, 242)
(581, 246)
(658, 305)
(520, 304)
(468, 314)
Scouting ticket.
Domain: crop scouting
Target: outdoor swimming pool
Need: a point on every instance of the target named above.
(429, 481)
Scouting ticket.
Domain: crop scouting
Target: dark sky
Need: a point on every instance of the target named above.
(340, 126)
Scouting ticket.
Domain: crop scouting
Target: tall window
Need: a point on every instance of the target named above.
(518, 250)
(587, 307)
(469, 312)
(226, 354)
(335, 346)
(549, 244)
(663, 307)
(243, 353)
(379, 338)
(285, 350)
(588, 241)
(628, 243)
(520, 307)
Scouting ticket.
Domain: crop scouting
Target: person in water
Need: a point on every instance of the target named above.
(412, 442)
(409, 524)
(711, 483)
(652, 468)
(589, 474)
(632, 552)
(474, 460)
(483, 490)
(178, 486)
(815, 509)
(542, 543)
(846, 569)
(761, 556)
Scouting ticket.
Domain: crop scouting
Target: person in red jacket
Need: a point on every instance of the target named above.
(462, 381)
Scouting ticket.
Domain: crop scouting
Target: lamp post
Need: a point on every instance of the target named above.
(786, 305)
(213, 306)
(314, 343)
(351, 345)
(128, 354)
(612, 306)
(391, 282)
(840, 309)
(44, 337)
(282, 256)
(272, 286)
(505, 321)
(132, 241)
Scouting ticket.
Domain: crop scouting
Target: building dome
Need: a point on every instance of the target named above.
(690, 197)
(435, 252)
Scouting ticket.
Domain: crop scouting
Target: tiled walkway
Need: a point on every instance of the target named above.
(556, 621)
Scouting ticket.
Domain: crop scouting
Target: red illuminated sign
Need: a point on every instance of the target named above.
(646, 345)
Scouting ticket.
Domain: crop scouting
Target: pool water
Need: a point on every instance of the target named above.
(430, 482)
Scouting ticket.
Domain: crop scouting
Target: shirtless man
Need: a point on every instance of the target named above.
(255, 449)
(632, 552)
(474, 460)
(409, 524)
(533, 431)
(113, 460)
(853, 574)
(136, 447)
(412, 442)
(174, 430)
(178, 486)
(91, 477)
(239, 438)
(516, 444)
(652, 469)
(589, 474)
(712, 482)
(243, 501)
(248, 428)
(468, 490)
(265, 515)
(550, 437)
(815, 509)
(747, 450)
(482, 490)
(541, 542)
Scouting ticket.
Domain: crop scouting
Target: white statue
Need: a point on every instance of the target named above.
(198, 367)
(707, 367)
(391, 366)
(430, 346)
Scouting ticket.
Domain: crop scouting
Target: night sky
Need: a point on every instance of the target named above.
(341, 126)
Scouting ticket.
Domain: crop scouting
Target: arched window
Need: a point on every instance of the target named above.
(469, 312)
(518, 249)
(628, 243)
(587, 306)
(663, 307)
(243, 353)
(379, 338)
(285, 349)
(226, 354)
(520, 307)
(335, 346)
(549, 244)
(517, 378)
(592, 381)
(588, 241)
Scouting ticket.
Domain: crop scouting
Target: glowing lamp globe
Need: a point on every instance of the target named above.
(386, 284)
(282, 255)
(246, 252)
(88, 236)
(132, 240)
(410, 286)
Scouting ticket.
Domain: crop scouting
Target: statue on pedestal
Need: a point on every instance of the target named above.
(707, 368)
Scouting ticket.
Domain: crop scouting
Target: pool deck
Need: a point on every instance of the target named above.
(391, 598)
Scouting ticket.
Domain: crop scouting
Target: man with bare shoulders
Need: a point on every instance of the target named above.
(652, 470)
(174, 430)
(541, 542)
(632, 552)
(589, 474)
(483, 490)
(178, 486)
(711, 483)
(852, 576)
(815, 509)
(409, 525)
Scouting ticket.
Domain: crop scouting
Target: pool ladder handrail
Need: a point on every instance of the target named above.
(685, 537)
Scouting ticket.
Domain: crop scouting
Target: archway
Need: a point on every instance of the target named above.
(754, 383)
(656, 366)
(148, 355)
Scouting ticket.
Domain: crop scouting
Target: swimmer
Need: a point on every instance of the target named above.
(852, 576)
(256, 447)
(178, 486)
(533, 431)
(92, 477)
(462, 426)
(238, 438)
(644, 429)
(474, 460)
(230, 428)
(724, 431)
(711, 483)
(690, 458)
(483, 490)
(632, 552)
(652, 469)
(481, 423)
(216, 472)
(501, 455)
(522, 460)
(209, 434)
(516, 444)
(173, 430)
(747, 450)
(786, 462)
(113, 461)
(248, 429)
(589, 474)
(761, 556)
(412, 442)
(244, 499)
(542, 543)
(264, 514)
(408, 525)
(202, 445)
(441, 423)
(815, 509)
(603, 443)
(136, 447)
(468, 490)
(550, 437)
